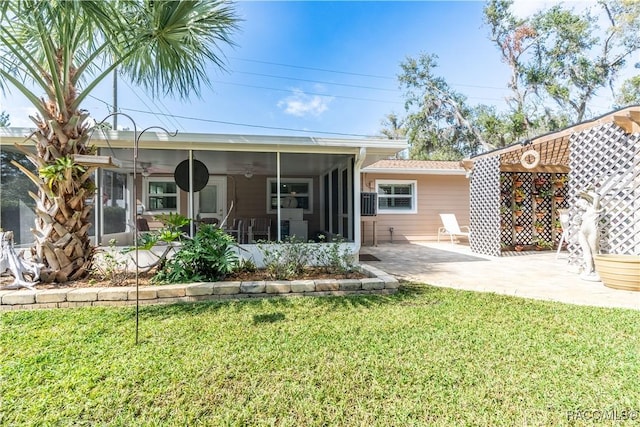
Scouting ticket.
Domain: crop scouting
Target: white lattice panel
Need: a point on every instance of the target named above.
(485, 206)
(606, 158)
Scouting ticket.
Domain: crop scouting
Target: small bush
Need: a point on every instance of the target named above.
(110, 266)
(285, 260)
(246, 265)
(334, 258)
(174, 224)
(208, 257)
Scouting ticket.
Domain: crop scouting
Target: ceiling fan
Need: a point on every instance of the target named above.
(148, 168)
(246, 169)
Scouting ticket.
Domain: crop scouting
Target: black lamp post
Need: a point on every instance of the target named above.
(136, 142)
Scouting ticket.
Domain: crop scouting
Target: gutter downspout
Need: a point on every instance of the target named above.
(279, 213)
(190, 199)
(357, 223)
(98, 205)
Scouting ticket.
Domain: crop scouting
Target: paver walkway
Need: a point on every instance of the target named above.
(535, 275)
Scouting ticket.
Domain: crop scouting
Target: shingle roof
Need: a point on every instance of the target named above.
(416, 165)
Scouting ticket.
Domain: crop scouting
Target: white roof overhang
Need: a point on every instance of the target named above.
(227, 142)
(230, 153)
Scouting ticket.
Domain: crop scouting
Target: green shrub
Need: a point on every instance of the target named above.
(285, 260)
(109, 265)
(208, 257)
(246, 265)
(289, 259)
(333, 258)
(174, 223)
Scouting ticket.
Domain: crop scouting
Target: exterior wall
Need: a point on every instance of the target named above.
(436, 194)
(249, 195)
(250, 201)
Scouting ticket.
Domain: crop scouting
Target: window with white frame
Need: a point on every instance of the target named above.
(294, 193)
(161, 194)
(397, 196)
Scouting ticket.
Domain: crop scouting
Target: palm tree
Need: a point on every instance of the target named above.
(55, 53)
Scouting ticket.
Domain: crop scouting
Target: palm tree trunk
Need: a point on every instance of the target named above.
(64, 202)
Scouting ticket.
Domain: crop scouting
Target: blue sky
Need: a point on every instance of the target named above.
(320, 68)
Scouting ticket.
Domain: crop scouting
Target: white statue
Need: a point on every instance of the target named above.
(25, 273)
(588, 238)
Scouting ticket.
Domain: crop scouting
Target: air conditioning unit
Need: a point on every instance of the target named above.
(368, 204)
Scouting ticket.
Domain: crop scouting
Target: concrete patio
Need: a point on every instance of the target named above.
(536, 275)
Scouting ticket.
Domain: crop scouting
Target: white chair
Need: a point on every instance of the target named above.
(451, 227)
(563, 216)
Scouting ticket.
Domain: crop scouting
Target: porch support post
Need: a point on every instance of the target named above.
(190, 199)
(98, 205)
(278, 195)
(357, 223)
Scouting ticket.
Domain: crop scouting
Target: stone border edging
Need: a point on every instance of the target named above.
(378, 282)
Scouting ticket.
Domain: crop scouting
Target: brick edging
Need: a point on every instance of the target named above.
(378, 282)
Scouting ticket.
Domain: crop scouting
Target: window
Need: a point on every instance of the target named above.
(294, 193)
(114, 202)
(161, 194)
(397, 196)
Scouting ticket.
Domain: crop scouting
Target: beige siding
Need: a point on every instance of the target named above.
(436, 194)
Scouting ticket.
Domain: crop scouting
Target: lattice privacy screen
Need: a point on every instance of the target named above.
(608, 159)
(531, 218)
(485, 206)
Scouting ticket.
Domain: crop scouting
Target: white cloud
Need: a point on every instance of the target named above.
(300, 104)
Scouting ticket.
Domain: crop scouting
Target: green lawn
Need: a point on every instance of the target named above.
(425, 356)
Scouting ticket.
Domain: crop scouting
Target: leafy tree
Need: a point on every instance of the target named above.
(393, 127)
(629, 92)
(562, 56)
(558, 59)
(437, 122)
(4, 119)
(65, 49)
(514, 37)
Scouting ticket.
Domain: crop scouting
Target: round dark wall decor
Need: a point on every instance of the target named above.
(200, 175)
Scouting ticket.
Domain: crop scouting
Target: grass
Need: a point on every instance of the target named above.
(425, 356)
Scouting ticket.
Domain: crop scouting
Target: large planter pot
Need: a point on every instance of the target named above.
(619, 271)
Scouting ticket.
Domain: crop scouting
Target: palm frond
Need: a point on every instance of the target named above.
(164, 46)
(176, 42)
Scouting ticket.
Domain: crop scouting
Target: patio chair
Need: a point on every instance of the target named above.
(563, 216)
(143, 224)
(237, 229)
(451, 227)
(259, 227)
